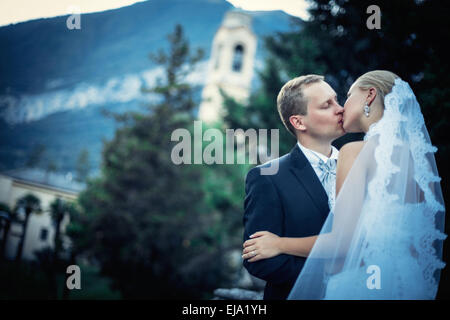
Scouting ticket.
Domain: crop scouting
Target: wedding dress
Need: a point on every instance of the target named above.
(384, 236)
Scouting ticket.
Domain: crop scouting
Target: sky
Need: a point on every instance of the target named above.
(13, 11)
(296, 8)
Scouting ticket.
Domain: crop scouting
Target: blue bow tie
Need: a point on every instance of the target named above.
(328, 179)
(328, 168)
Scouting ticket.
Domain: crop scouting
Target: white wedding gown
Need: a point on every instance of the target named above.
(384, 237)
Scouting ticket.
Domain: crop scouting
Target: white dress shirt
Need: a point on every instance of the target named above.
(314, 159)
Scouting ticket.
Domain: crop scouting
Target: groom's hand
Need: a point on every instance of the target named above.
(262, 245)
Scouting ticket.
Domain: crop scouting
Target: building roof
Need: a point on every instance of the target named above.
(53, 180)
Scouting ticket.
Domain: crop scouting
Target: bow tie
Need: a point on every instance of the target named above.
(328, 168)
(328, 179)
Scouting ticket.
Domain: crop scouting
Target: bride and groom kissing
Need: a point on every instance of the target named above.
(365, 222)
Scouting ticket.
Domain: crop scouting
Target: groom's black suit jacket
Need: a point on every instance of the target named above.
(290, 203)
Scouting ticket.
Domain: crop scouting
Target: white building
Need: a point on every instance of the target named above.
(230, 66)
(45, 186)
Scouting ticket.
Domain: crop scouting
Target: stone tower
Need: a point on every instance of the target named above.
(230, 66)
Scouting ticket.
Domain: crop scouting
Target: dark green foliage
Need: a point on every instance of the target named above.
(23, 281)
(145, 219)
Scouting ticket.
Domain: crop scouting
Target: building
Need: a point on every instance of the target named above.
(47, 187)
(231, 64)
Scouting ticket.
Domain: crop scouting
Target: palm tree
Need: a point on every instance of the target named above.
(59, 209)
(30, 204)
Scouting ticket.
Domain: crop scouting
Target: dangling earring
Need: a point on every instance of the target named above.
(366, 110)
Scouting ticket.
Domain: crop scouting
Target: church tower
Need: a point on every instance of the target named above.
(230, 66)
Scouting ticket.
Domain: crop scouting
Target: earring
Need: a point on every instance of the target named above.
(366, 110)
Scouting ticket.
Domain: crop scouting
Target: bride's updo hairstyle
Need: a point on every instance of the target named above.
(382, 80)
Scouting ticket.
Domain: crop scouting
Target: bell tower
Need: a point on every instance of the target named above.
(230, 65)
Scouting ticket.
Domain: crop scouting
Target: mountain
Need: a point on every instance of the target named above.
(54, 82)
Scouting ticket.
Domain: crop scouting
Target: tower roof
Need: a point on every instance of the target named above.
(237, 18)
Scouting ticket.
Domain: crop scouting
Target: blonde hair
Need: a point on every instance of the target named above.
(382, 80)
(291, 100)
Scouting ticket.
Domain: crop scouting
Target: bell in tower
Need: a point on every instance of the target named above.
(230, 66)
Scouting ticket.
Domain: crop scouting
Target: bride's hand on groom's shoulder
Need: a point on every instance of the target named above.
(262, 245)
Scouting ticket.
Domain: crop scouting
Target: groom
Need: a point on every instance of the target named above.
(295, 201)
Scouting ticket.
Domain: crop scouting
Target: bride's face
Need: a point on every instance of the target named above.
(354, 109)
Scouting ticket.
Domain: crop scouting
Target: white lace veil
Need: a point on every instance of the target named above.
(384, 238)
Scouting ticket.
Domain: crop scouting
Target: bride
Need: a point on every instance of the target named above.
(383, 238)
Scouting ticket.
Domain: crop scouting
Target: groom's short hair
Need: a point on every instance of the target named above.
(291, 100)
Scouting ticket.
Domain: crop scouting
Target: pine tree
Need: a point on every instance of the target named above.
(145, 218)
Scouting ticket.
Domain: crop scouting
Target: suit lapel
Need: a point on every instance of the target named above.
(305, 174)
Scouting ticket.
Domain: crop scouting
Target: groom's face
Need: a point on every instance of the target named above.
(323, 119)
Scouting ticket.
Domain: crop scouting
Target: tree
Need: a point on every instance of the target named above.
(59, 210)
(82, 166)
(29, 204)
(145, 218)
